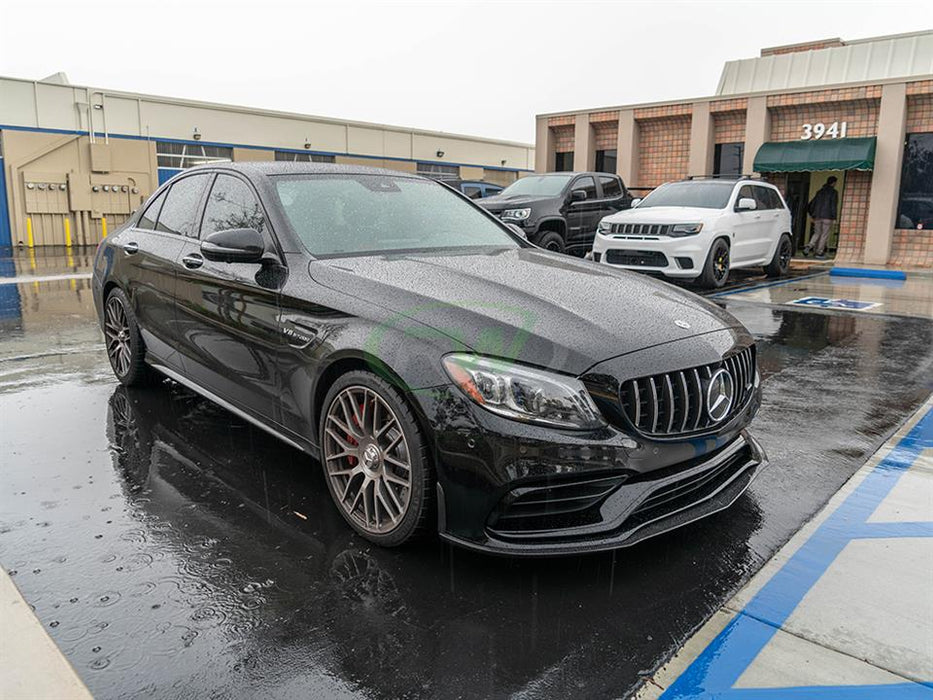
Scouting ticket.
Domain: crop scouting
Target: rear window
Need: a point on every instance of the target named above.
(706, 195)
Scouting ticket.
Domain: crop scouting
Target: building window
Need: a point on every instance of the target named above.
(292, 157)
(606, 161)
(439, 171)
(184, 155)
(563, 162)
(727, 158)
(915, 207)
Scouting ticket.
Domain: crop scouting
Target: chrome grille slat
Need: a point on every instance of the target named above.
(673, 403)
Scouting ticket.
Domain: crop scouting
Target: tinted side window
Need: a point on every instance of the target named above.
(151, 215)
(231, 204)
(611, 186)
(473, 191)
(181, 207)
(776, 201)
(763, 197)
(588, 185)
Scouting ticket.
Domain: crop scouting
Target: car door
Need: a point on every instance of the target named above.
(771, 209)
(228, 311)
(583, 214)
(148, 259)
(747, 228)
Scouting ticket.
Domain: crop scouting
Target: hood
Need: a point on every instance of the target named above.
(527, 304)
(498, 202)
(663, 215)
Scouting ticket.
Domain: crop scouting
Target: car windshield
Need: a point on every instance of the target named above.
(706, 195)
(337, 214)
(540, 185)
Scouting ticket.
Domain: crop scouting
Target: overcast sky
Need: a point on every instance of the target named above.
(483, 68)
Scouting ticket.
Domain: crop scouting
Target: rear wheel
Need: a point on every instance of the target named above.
(375, 460)
(551, 240)
(780, 263)
(125, 348)
(716, 270)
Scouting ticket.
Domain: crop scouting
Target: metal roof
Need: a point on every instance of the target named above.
(882, 58)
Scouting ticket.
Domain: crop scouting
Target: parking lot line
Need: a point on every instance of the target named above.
(816, 603)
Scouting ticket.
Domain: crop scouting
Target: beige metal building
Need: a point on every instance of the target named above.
(859, 110)
(76, 159)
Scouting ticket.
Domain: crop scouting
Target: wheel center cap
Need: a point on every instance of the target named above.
(371, 456)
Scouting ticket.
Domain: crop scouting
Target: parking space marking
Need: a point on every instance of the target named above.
(714, 672)
(44, 278)
(766, 285)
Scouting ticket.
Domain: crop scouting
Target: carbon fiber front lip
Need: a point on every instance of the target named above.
(723, 497)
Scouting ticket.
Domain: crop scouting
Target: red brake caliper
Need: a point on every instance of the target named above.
(352, 440)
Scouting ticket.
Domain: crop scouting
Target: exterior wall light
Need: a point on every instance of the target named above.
(196, 135)
(440, 154)
(502, 161)
(307, 144)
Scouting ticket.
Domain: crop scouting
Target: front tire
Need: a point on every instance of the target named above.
(551, 240)
(125, 348)
(375, 460)
(780, 263)
(716, 270)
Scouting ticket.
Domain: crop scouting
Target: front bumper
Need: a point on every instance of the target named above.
(671, 257)
(511, 488)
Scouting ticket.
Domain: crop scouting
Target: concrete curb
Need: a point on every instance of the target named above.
(32, 666)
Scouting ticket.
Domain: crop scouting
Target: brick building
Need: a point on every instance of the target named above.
(859, 110)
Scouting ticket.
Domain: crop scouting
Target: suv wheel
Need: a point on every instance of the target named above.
(780, 263)
(716, 270)
(375, 460)
(551, 240)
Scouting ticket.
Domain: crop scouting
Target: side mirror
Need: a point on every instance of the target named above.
(243, 245)
(578, 196)
(636, 202)
(518, 231)
(746, 204)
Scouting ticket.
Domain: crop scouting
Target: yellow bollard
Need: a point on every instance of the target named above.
(67, 232)
(103, 226)
(30, 243)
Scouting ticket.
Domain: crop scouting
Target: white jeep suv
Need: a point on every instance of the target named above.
(700, 229)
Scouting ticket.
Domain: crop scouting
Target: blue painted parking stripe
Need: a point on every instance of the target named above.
(714, 672)
(765, 285)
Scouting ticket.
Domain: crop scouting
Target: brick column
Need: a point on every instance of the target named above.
(627, 148)
(584, 153)
(757, 131)
(886, 178)
(701, 140)
(544, 146)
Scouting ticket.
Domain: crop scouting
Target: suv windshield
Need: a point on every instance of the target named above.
(541, 185)
(363, 214)
(707, 195)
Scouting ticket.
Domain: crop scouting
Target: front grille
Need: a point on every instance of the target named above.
(674, 403)
(646, 258)
(554, 505)
(641, 229)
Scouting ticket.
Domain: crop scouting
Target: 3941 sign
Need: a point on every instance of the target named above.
(819, 130)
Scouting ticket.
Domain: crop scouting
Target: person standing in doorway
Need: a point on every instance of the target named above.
(823, 208)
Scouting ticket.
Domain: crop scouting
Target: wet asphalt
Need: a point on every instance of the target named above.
(172, 550)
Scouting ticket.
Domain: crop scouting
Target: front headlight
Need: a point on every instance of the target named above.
(604, 226)
(686, 229)
(523, 393)
(517, 214)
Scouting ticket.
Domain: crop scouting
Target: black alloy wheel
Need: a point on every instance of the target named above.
(716, 270)
(124, 344)
(780, 264)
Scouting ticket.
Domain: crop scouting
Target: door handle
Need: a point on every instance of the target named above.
(131, 248)
(192, 261)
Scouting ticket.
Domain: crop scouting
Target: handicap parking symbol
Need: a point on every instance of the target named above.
(825, 303)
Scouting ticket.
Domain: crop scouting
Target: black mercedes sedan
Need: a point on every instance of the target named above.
(445, 374)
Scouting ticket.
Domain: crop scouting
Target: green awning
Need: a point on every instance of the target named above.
(810, 156)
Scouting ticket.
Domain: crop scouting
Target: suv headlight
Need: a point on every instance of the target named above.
(524, 393)
(517, 214)
(686, 229)
(604, 226)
